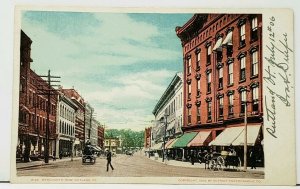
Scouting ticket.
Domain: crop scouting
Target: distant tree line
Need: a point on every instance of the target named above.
(129, 137)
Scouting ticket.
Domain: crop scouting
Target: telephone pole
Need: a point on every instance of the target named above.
(48, 91)
(246, 131)
(245, 138)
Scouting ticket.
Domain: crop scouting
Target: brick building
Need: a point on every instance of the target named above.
(147, 138)
(79, 118)
(33, 108)
(101, 137)
(222, 75)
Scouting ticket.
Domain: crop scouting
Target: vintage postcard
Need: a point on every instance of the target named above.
(166, 96)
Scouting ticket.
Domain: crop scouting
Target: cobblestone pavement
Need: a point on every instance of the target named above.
(128, 166)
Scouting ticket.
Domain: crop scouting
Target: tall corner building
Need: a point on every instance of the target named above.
(222, 61)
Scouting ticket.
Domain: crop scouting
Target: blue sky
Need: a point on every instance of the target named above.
(120, 63)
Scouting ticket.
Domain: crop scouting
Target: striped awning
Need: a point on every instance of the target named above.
(184, 140)
(252, 134)
(227, 136)
(235, 136)
(171, 144)
(201, 139)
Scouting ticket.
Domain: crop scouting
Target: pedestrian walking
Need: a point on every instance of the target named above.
(192, 156)
(54, 155)
(108, 157)
(253, 158)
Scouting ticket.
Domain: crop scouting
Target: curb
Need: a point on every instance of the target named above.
(195, 167)
(43, 164)
(31, 166)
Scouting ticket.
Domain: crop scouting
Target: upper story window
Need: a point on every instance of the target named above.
(189, 116)
(209, 110)
(22, 85)
(198, 114)
(198, 59)
(243, 68)
(228, 42)
(254, 29)
(221, 78)
(189, 66)
(189, 91)
(219, 56)
(230, 73)
(243, 101)
(208, 57)
(254, 63)
(255, 99)
(209, 82)
(198, 87)
(221, 107)
(230, 104)
(218, 48)
(229, 50)
(242, 35)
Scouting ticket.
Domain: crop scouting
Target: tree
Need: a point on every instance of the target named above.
(129, 138)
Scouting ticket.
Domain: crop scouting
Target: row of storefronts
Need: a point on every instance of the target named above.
(180, 148)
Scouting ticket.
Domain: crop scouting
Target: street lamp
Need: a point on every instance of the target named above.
(72, 149)
(245, 137)
(164, 138)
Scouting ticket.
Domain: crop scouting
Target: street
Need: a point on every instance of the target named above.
(137, 165)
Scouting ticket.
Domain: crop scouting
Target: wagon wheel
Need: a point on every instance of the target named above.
(220, 163)
(213, 164)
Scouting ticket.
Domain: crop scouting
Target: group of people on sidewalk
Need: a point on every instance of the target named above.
(194, 157)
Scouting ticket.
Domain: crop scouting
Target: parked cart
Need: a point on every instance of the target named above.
(88, 155)
(227, 160)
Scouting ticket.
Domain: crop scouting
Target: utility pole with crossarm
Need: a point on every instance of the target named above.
(48, 91)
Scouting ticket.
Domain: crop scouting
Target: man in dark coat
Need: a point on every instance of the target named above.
(192, 157)
(253, 158)
(108, 157)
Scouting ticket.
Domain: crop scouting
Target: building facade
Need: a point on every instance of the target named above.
(65, 128)
(222, 72)
(112, 144)
(88, 118)
(94, 132)
(169, 106)
(33, 108)
(147, 138)
(79, 119)
(101, 136)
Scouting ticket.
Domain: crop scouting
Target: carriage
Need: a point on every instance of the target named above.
(226, 160)
(88, 155)
(219, 161)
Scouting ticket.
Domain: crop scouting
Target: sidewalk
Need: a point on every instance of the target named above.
(24, 165)
(196, 165)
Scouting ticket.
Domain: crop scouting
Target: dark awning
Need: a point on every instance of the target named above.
(184, 140)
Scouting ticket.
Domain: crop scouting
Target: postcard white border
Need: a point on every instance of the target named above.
(273, 172)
